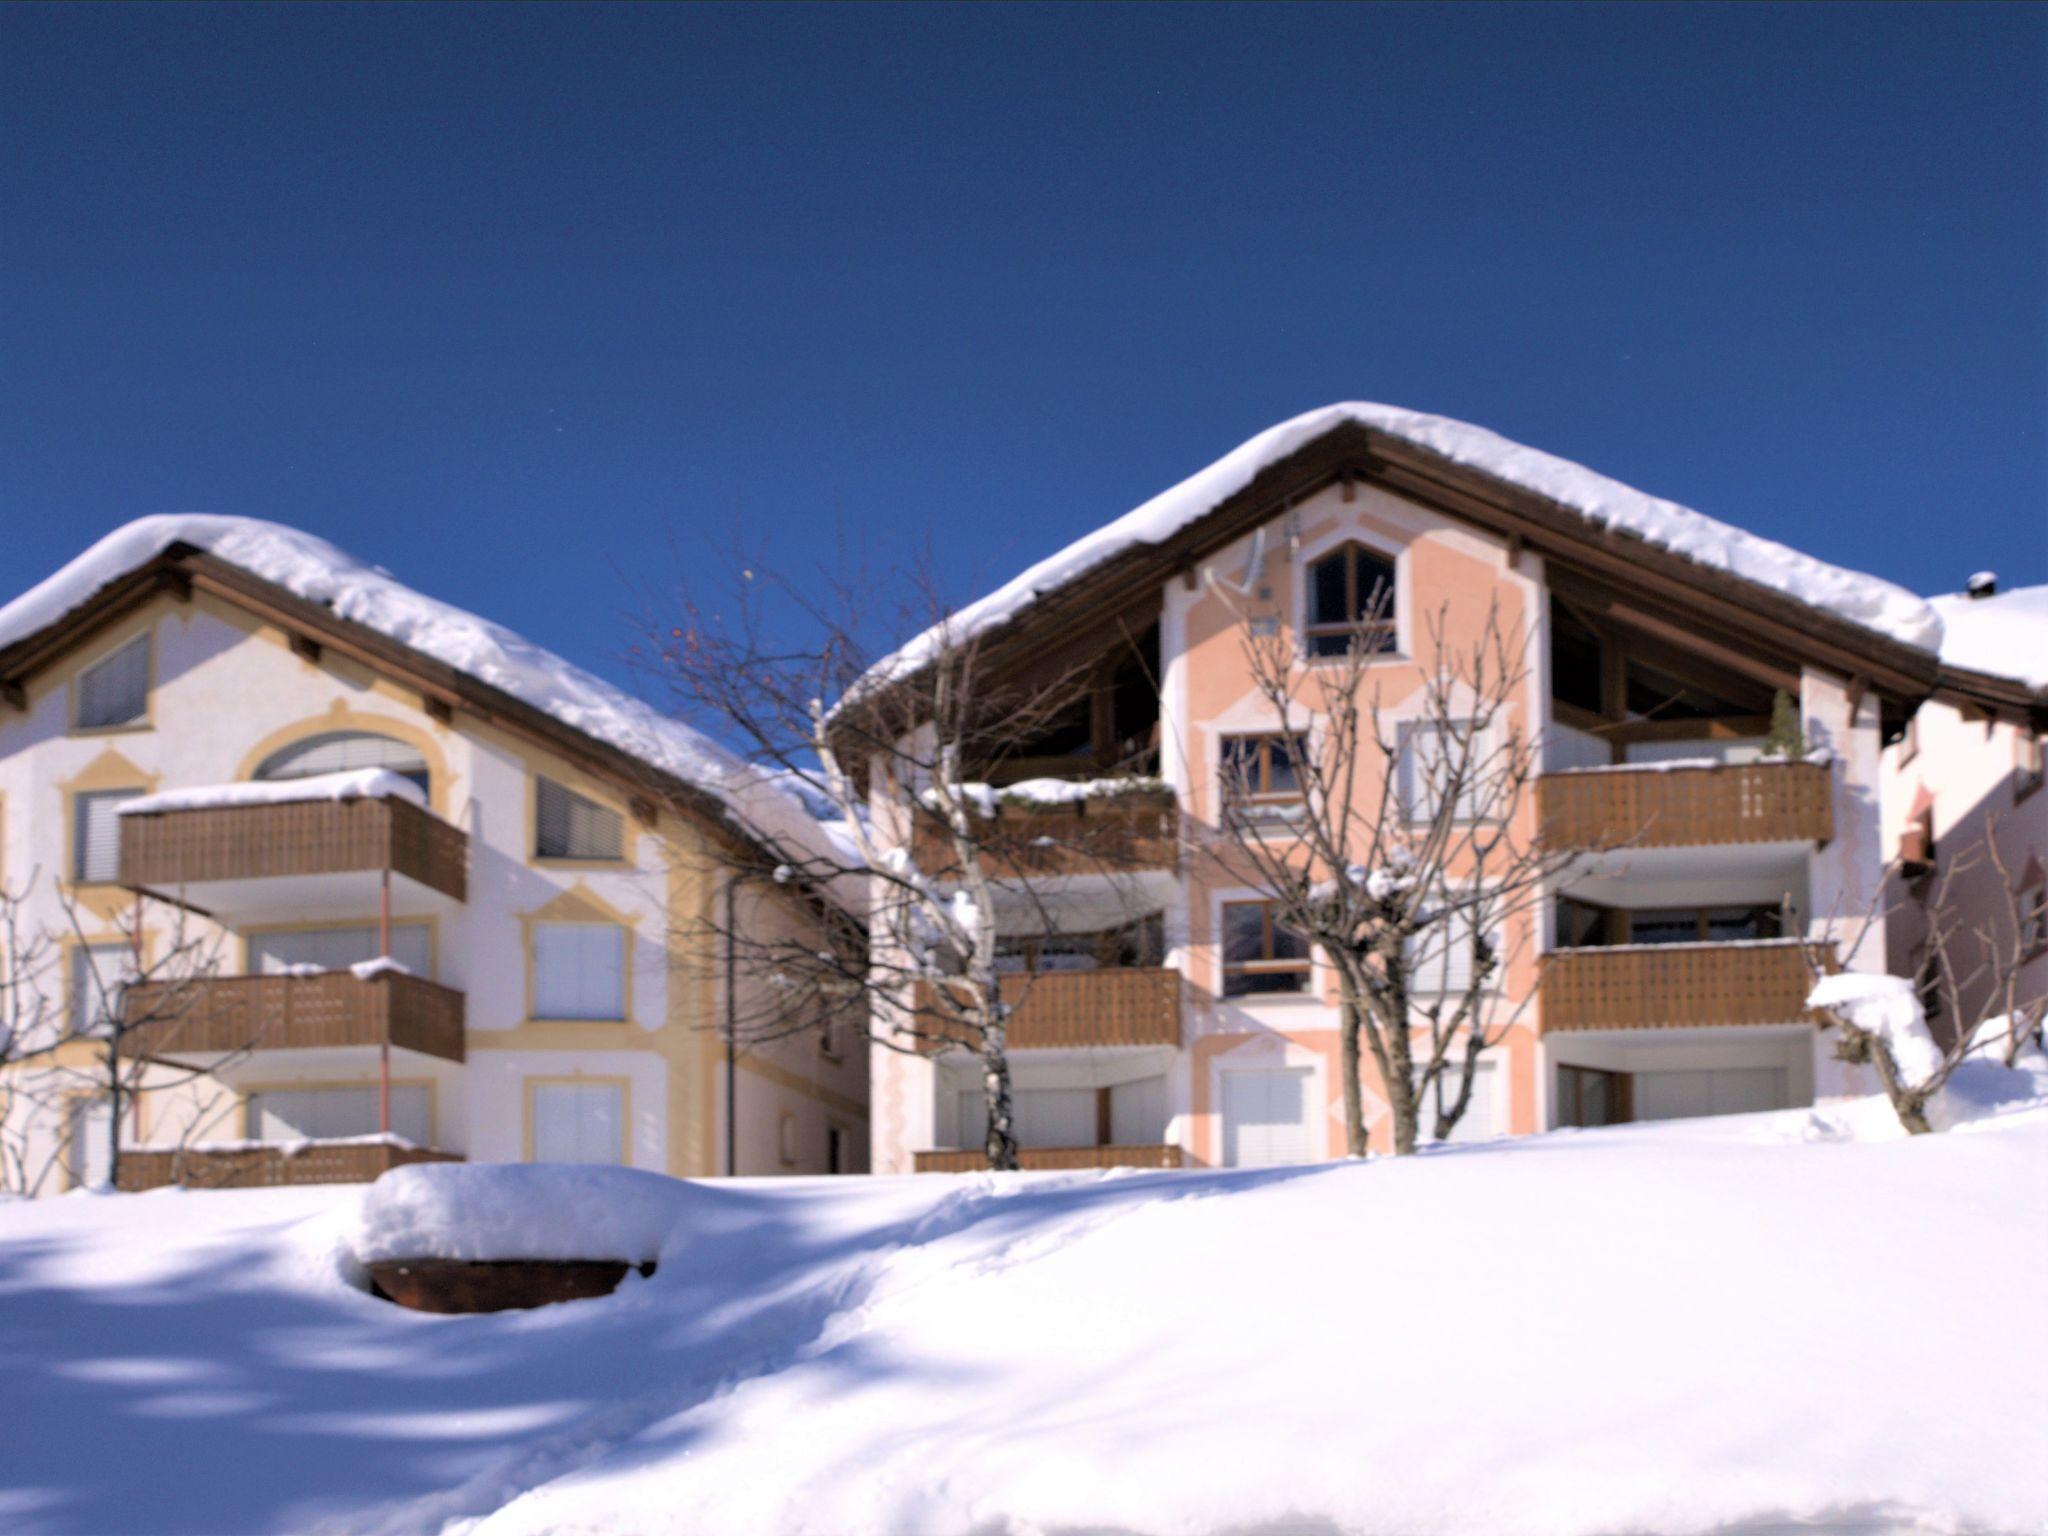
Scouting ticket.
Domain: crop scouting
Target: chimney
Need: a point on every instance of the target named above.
(1983, 584)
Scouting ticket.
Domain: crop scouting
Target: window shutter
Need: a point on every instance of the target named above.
(96, 971)
(96, 834)
(579, 971)
(578, 1122)
(569, 826)
(116, 691)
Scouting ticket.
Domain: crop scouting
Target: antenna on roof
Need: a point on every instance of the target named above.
(1983, 584)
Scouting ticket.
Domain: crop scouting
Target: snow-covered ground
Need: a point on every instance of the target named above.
(1798, 1320)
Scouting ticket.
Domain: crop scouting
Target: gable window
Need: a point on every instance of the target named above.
(579, 971)
(1350, 602)
(114, 691)
(343, 752)
(96, 835)
(1260, 953)
(1261, 780)
(570, 826)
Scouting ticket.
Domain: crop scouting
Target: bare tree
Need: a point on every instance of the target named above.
(1968, 997)
(128, 1014)
(899, 764)
(1406, 852)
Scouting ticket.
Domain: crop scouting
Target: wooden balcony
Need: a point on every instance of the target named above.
(175, 850)
(1110, 834)
(1676, 986)
(1046, 1159)
(1060, 1009)
(227, 1014)
(253, 1167)
(1687, 807)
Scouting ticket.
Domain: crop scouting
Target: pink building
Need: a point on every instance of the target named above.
(1172, 1023)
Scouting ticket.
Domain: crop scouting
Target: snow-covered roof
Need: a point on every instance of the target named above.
(2005, 635)
(317, 571)
(1867, 601)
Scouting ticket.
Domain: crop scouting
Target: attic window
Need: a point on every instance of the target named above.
(569, 826)
(115, 690)
(1350, 602)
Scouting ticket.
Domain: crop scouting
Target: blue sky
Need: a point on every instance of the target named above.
(527, 304)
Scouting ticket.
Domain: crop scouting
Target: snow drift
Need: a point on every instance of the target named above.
(1705, 1326)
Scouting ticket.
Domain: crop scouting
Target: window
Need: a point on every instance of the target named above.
(579, 971)
(579, 1123)
(334, 949)
(88, 1149)
(1581, 924)
(1909, 740)
(1704, 925)
(1440, 960)
(1439, 756)
(97, 972)
(1592, 1096)
(2027, 753)
(2034, 919)
(788, 1138)
(96, 835)
(1350, 602)
(115, 691)
(835, 1149)
(1039, 1117)
(568, 826)
(342, 752)
(1260, 954)
(1259, 776)
(333, 1114)
(1477, 1122)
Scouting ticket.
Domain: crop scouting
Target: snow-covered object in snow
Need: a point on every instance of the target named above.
(2005, 634)
(1889, 1008)
(1864, 600)
(486, 1211)
(1025, 793)
(313, 569)
(350, 784)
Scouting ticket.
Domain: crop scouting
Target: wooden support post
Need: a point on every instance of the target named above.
(384, 1046)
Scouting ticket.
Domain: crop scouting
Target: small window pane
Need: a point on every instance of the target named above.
(579, 971)
(96, 835)
(1244, 932)
(116, 691)
(569, 826)
(334, 949)
(1327, 591)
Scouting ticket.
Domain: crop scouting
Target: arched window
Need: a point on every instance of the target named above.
(1350, 602)
(340, 751)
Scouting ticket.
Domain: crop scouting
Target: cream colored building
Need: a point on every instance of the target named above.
(555, 868)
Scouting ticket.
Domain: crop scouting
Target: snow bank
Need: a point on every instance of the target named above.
(1155, 1354)
(483, 1211)
(2005, 634)
(353, 784)
(1864, 600)
(1889, 1008)
(319, 572)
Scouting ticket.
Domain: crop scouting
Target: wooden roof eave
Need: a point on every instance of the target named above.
(1988, 693)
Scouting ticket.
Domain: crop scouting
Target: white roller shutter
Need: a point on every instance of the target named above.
(1266, 1118)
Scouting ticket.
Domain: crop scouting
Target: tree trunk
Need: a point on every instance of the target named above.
(1001, 1147)
(1350, 1066)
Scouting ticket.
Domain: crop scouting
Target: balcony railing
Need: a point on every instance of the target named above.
(1083, 1008)
(1649, 807)
(1675, 986)
(225, 1014)
(1045, 1159)
(255, 1167)
(170, 850)
(1115, 834)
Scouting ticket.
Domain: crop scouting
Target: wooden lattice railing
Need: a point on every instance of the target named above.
(1650, 807)
(1136, 1006)
(167, 850)
(342, 1162)
(273, 1013)
(1673, 986)
(1049, 1158)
